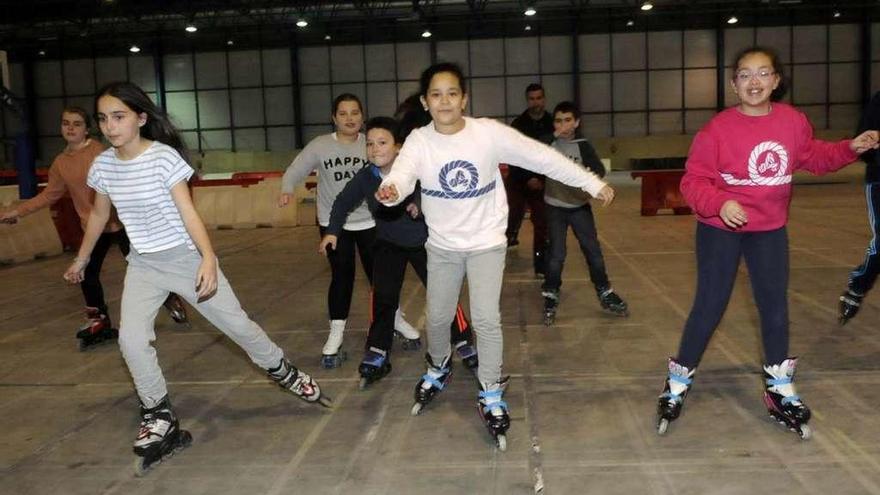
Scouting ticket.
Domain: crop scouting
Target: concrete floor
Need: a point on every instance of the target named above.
(583, 393)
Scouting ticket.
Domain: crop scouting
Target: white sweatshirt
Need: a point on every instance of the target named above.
(463, 196)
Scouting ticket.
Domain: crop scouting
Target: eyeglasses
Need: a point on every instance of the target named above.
(747, 75)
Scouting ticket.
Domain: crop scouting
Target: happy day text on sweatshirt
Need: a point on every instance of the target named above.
(463, 197)
(751, 159)
(337, 163)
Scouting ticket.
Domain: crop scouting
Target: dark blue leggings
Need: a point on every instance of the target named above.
(718, 253)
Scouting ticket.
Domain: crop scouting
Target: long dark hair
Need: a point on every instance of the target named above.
(158, 126)
(778, 68)
(411, 115)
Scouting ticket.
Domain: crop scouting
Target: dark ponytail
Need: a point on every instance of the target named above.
(158, 126)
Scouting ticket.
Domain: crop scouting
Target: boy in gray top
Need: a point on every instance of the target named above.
(571, 206)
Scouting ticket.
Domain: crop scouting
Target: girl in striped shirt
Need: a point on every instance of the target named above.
(144, 176)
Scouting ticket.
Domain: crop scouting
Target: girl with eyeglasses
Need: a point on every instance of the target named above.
(738, 182)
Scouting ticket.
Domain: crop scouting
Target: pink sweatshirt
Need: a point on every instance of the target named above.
(751, 160)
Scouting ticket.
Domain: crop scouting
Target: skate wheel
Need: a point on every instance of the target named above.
(805, 432)
(662, 426)
(362, 384)
(416, 408)
(325, 401)
(141, 467)
(83, 346)
(501, 442)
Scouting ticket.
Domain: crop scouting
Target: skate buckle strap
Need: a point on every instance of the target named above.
(433, 381)
(374, 359)
(495, 405)
(671, 397)
(778, 381)
(680, 379)
(791, 398)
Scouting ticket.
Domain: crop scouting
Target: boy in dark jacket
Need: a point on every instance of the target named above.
(400, 239)
(570, 206)
(862, 278)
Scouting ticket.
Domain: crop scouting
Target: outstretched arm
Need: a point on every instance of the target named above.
(98, 218)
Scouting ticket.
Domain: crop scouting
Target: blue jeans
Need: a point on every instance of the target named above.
(584, 227)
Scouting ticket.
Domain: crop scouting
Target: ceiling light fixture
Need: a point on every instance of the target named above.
(426, 33)
(134, 49)
(732, 20)
(191, 28)
(646, 6)
(302, 23)
(530, 11)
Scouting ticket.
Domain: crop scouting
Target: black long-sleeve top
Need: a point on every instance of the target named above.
(871, 121)
(393, 224)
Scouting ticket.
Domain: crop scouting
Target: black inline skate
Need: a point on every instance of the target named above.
(551, 303)
(287, 376)
(374, 367)
(849, 306)
(159, 436)
(432, 383)
(611, 302)
(406, 333)
(783, 403)
(494, 411)
(176, 310)
(468, 355)
(96, 330)
(675, 389)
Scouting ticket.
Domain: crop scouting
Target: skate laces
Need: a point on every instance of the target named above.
(154, 424)
(679, 381)
(781, 381)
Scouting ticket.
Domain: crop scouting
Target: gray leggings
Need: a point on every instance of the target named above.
(484, 269)
(148, 280)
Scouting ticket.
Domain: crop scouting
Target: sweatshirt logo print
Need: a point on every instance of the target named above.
(768, 166)
(458, 180)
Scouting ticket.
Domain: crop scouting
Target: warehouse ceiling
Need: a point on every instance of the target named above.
(58, 28)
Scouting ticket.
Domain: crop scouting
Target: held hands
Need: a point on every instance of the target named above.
(10, 216)
(865, 141)
(387, 194)
(76, 271)
(413, 210)
(733, 215)
(328, 240)
(606, 195)
(284, 200)
(206, 278)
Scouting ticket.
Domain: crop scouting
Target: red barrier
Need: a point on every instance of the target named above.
(662, 189)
